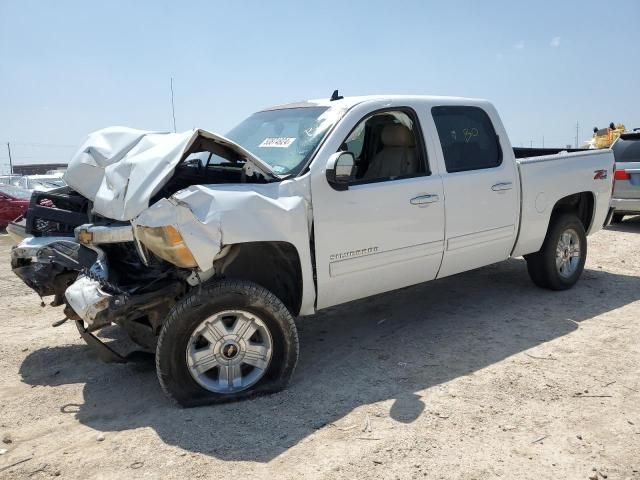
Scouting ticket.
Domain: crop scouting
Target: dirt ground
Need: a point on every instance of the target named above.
(477, 376)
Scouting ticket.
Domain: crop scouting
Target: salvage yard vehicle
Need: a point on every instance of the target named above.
(204, 248)
(40, 182)
(10, 179)
(626, 187)
(13, 203)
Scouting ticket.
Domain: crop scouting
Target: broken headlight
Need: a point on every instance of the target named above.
(167, 243)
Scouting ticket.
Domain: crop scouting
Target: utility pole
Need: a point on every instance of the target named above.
(577, 133)
(173, 110)
(10, 161)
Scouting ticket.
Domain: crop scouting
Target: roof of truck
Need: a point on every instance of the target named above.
(348, 102)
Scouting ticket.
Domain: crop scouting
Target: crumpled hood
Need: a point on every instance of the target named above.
(120, 169)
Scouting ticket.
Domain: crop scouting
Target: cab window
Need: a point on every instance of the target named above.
(467, 137)
(386, 146)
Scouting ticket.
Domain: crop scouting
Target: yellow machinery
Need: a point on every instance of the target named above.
(604, 137)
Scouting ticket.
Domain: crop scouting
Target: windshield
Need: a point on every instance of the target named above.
(15, 192)
(285, 138)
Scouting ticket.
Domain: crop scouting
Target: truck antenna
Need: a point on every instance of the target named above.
(336, 96)
(173, 110)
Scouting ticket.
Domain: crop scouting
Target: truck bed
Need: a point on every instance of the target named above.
(523, 152)
(546, 179)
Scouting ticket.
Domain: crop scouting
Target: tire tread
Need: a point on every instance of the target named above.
(541, 265)
(212, 290)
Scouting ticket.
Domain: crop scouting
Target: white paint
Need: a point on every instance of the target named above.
(471, 225)
(120, 168)
(559, 176)
(541, 203)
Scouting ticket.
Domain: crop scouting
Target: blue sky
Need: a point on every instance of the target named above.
(71, 67)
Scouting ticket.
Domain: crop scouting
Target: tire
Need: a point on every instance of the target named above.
(543, 265)
(228, 301)
(617, 217)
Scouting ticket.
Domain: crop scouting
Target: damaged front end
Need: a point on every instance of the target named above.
(141, 224)
(81, 248)
(100, 279)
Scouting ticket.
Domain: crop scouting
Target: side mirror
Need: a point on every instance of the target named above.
(339, 170)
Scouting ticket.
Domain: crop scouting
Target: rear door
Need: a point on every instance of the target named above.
(480, 185)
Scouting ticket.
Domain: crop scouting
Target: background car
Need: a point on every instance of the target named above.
(626, 190)
(14, 202)
(41, 183)
(10, 179)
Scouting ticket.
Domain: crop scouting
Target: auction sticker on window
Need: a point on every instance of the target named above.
(277, 142)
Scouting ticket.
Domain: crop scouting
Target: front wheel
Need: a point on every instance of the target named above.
(560, 262)
(227, 341)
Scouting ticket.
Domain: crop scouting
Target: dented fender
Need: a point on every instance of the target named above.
(210, 217)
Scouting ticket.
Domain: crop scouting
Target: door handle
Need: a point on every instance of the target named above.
(423, 199)
(499, 187)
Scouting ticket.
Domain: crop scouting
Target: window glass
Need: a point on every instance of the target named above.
(285, 138)
(15, 192)
(468, 139)
(627, 148)
(385, 147)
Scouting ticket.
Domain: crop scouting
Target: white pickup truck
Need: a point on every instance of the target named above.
(204, 248)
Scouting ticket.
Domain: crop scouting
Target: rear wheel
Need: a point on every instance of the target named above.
(229, 341)
(560, 262)
(617, 217)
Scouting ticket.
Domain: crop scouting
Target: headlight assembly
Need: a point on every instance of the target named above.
(167, 243)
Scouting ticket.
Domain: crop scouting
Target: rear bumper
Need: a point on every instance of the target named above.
(626, 205)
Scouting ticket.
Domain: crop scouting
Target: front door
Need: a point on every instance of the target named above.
(386, 231)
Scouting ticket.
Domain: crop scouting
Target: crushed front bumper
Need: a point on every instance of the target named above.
(50, 264)
(73, 272)
(78, 276)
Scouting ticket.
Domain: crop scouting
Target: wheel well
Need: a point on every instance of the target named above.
(579, 204)
(272, 265)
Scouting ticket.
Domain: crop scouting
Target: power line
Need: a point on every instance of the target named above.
(23, 157)
(44, 145)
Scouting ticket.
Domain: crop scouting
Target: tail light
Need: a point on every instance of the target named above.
(622, 175)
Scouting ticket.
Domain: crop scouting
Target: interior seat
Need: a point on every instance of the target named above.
(398, 155)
